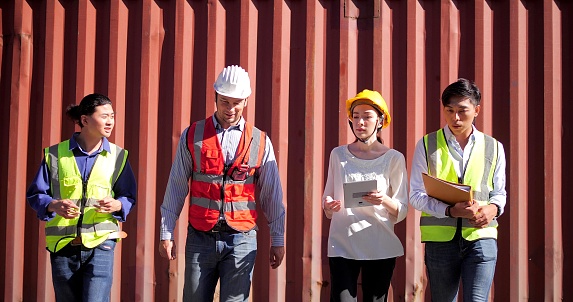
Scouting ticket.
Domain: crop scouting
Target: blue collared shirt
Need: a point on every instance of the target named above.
(39, 194)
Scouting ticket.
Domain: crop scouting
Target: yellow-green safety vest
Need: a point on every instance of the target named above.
(66, 183)
(478, 174)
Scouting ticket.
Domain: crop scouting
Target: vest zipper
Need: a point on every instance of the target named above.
(84, 197)
(82, 205)
(225, 170)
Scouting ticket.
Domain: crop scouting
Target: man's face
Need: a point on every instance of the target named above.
(460, 114)
(101, 122)
(229, 110)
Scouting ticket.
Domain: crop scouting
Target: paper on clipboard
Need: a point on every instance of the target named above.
(353, 192)
(446, 191)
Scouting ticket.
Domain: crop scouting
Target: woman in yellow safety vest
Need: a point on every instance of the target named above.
(83, 189)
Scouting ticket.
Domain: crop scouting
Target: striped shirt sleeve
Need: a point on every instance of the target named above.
(271, 195)
(177, 188)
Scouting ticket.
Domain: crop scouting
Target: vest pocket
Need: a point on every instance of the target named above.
(70, 185)
(99, 191)
(237, 190)
(104, 225)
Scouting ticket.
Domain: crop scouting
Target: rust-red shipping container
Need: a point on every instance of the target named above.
(157, 60)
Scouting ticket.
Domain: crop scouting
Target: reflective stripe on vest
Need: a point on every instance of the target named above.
(66, 183)
(478, 174)
(211, 179)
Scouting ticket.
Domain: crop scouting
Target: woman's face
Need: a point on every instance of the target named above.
(100, 123)
(365, 120)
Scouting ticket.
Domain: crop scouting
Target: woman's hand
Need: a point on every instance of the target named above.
(330, 206)
(379, 198)
(376, 198)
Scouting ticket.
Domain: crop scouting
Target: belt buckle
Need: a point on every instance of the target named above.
(77, 241)
(218, 226)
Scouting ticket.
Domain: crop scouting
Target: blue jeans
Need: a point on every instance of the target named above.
(472, 261)
(229, 256)
(82, 274)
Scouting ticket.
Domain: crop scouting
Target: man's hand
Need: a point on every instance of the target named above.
(108, 205)
(484, 216)
(276, 256)
(466, 209)
(167, 249)
(64, 208)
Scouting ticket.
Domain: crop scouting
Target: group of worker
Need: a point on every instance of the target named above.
(85, 186)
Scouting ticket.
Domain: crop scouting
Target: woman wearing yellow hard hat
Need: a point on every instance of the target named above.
(365, 195)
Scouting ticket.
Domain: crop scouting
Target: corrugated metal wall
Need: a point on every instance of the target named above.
(157, 61)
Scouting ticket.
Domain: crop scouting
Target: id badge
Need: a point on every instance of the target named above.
(240, 173)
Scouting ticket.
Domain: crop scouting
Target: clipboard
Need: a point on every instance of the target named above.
(353, 192)
(446, 191)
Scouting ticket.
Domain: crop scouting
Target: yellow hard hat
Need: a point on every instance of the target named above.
(372, 98)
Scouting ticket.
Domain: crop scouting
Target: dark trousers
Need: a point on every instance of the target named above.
(376, 276)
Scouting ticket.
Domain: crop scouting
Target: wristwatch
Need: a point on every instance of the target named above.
(498, 210)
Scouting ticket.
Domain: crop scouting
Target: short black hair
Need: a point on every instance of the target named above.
(464, 88)
(86, 107)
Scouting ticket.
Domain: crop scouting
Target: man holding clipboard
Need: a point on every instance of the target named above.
(460, 235)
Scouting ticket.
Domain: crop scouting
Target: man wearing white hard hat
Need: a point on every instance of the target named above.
(224, 159)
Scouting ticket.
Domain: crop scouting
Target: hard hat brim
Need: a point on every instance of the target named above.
(364, 99)
(232, 95)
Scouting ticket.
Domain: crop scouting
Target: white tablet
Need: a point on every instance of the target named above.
(353, 192)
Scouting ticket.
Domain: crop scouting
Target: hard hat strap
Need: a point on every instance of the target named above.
(368, 138)
(362, 140)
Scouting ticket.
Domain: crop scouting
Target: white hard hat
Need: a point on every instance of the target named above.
(233, 82)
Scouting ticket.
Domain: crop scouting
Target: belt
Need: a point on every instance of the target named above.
(76, 241)
(222, 226)
(115, 235)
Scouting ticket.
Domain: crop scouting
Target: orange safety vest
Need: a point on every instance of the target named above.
(213, 189)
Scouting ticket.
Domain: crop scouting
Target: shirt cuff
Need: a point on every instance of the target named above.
(165, 233)
(499, 209)
(442, 210)
(121, 215)
(277, 240)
